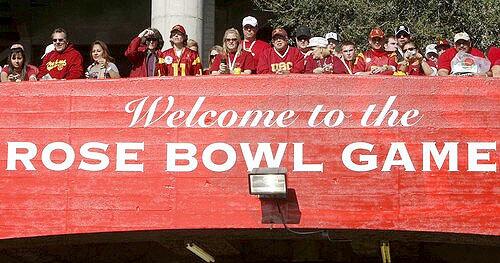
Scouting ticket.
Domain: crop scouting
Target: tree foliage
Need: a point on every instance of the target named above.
(353, 19)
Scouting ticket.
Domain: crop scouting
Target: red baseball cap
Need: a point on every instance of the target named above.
(279, 31)
(377, 32)
(178, 28)
(442, 42)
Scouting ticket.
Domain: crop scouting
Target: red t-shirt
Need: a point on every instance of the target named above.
(494, 56)
(30, 70)
(415, 70)
(311, 64)
(188, 64)
(371, 58)
(244, 61)
(444, 61)
(271, 61)
(255, 48)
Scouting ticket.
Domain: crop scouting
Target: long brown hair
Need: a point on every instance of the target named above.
(14, 52)
(105, 50)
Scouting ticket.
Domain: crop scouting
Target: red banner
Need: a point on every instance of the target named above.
(388, 153)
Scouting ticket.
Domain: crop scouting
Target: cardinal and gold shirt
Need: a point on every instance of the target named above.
(62, 65)
(187, 64)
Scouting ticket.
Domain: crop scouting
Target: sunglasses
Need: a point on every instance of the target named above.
(151, 39)
(403, 36)
(55, 40)
(348, 50)
(410, 49)
(301, 39)
(231, 39)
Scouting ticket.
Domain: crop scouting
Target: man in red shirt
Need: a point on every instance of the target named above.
(64, 62)
(302, 37)
(251, 43)
(348, 49)
(281, 59)
(144, 51)
(494, 57)
(180, 60)
(375, 60)
(461, 43)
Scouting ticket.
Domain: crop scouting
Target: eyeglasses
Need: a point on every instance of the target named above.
(410, 49)
(231, 39)
(462, 42)
(55, 40)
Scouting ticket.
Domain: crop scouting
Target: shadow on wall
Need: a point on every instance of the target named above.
(279, 211)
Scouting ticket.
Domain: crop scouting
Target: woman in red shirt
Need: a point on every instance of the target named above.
(233, 59)
(18, 68)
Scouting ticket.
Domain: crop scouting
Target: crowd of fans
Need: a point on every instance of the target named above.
(388, 55)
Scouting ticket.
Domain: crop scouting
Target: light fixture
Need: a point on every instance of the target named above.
(200, 252)
(267, 182)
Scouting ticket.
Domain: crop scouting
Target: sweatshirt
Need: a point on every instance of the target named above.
(67, 64)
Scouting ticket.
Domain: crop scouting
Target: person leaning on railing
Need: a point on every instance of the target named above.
(18, 69)
(64, 62)
(103, 66)
(233, 59)
(414, 63)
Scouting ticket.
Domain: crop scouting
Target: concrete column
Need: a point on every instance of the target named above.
(208, 30)
(189, 13)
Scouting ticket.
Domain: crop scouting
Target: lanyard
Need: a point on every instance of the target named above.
(231, 64)
(347, 67)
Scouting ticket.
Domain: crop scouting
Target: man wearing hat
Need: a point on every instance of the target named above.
(442, 45)
(302, 36)
(250, 42)
(403, 36)
(144, 52)
(461, 43)
(333, 41)
(321, 60)
(375, 60)
(281, 58)
(180, 60)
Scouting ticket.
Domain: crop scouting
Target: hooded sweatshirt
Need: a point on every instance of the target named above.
(62, 65)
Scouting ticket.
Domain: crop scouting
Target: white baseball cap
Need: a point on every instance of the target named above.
(318, 42)
(332, 35)
(461, 35)
(250, 20)
(431, 48)
(48, 49)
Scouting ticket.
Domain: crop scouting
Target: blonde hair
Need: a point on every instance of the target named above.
(237, 34)
(192, 43)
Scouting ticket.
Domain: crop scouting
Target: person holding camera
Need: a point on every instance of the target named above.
(144, 52)
(233, 59)
(18, 69)
(414, 63)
